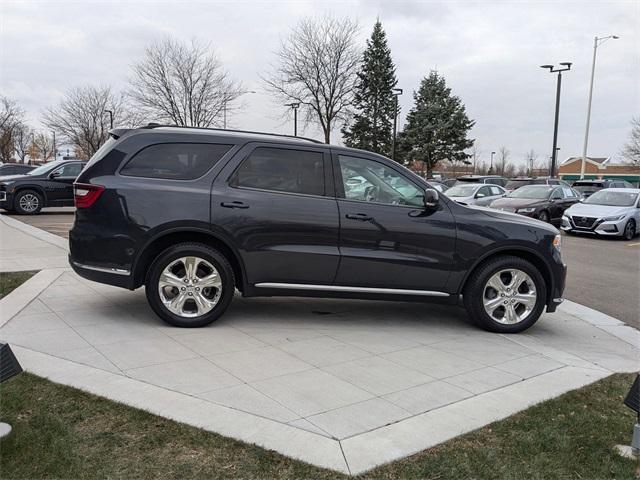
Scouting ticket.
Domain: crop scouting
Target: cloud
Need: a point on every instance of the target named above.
(489, 53)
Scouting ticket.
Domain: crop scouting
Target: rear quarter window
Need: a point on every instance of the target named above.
(175, 161)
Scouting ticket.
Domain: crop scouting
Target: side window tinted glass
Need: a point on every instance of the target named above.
(70, 170)
(484, 192)
(370, 181)
(175, 161)
(557, 194)
(496, 191)
(282, 170)
(567, 192)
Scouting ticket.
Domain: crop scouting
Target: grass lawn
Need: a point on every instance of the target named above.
(9, 281)
(60, 432)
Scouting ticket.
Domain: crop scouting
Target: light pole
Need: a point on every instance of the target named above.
(553, 69)
(396, 93)
(54, 146)
(596, 43)
(294, 106)
(491, 165)
(110, 112)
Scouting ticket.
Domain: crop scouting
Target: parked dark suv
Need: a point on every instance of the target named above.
(194, 214)
(49, 185)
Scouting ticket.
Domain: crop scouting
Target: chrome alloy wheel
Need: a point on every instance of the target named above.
(29, 202)
(190, 287)
(509, 296)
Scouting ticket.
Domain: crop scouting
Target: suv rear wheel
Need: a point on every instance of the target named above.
(505, 295)
(190, 285)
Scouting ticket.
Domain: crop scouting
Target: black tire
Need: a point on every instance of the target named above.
(474, 292)
(29, 197)
(629, 230)
(164, 259)
(543, 216)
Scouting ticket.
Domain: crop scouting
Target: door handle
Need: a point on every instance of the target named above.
(359, 216)
(234, 205)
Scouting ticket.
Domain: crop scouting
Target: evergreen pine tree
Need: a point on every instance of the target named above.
(437, 126)
(372, 125)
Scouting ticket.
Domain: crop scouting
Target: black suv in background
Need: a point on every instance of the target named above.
(589, 187)
(194, 214)
(491, 179)
(49, 185)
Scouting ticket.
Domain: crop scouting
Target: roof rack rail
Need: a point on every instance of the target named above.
(157, 125)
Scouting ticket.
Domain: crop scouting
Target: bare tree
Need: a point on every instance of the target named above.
(631, 150)
(503, 157)
(23, 137)
(316, 68)
(82, 118)
(11, 116)
(44, 146)
(474, 154)
(182, 84)
(530, 158)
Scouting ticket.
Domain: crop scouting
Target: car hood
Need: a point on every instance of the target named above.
(598, 211)
(6, 178)
(515, 218)
(514, 203)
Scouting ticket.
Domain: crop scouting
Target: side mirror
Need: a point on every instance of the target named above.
(431, 198)
(479, 195)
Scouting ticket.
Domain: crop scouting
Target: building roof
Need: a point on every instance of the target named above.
(598, 160)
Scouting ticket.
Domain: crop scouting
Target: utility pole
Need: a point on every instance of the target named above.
(491, 165)
(396, 94)
(54, 147)
(110, 112)
(596, 43)
(553, 69)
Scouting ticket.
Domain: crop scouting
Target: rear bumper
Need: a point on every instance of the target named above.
(110, 276)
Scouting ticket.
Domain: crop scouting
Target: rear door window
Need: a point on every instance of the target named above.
(496, 191)
(282, 170)
(175, 161)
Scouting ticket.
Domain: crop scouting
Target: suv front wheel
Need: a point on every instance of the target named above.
(505, 295)
(190, 285)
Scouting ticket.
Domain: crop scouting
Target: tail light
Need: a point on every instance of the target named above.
(85, 195)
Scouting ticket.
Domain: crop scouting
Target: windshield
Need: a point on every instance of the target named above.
(513, 184)
(461, 191)
(469, 180)
(612, 198)
(539, 192)
(45, 168)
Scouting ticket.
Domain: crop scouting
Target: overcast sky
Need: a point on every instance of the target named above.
(489, 53)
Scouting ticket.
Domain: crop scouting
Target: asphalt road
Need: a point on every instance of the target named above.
(603, 273)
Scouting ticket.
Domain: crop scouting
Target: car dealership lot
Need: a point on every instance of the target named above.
(603, 274)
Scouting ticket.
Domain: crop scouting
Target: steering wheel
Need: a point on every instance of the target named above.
(371, 193)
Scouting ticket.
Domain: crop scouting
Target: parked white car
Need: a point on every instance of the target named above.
(611, 211)
(475, 193)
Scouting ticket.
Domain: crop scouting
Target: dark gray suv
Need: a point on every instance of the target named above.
(196, 214)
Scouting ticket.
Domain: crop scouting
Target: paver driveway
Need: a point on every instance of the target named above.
(375, 380)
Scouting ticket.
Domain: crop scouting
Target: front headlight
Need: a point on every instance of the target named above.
(613, 219)
(526, 210)
(557, 243)
(8, 182)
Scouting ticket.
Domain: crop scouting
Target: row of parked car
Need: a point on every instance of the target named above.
(604, 207)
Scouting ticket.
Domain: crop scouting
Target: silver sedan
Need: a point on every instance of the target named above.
(475, 194)
(611, 212)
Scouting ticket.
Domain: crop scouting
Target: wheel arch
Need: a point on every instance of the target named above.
(166, 239)
(37, 188)
(526, 254)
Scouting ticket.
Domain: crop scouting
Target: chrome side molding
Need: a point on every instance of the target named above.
(116, 271)
(337, 288)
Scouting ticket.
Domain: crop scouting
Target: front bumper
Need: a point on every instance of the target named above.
(598, 227)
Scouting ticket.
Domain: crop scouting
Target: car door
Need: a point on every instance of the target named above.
(276, 205)
(59, 184)
(388, 239)
(483, 196)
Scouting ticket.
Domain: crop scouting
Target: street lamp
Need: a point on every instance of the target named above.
(294, 106)
(596, 43)
(110, 112)
(553, 69)
(396, 93)
(491, 165)
(226, 100)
